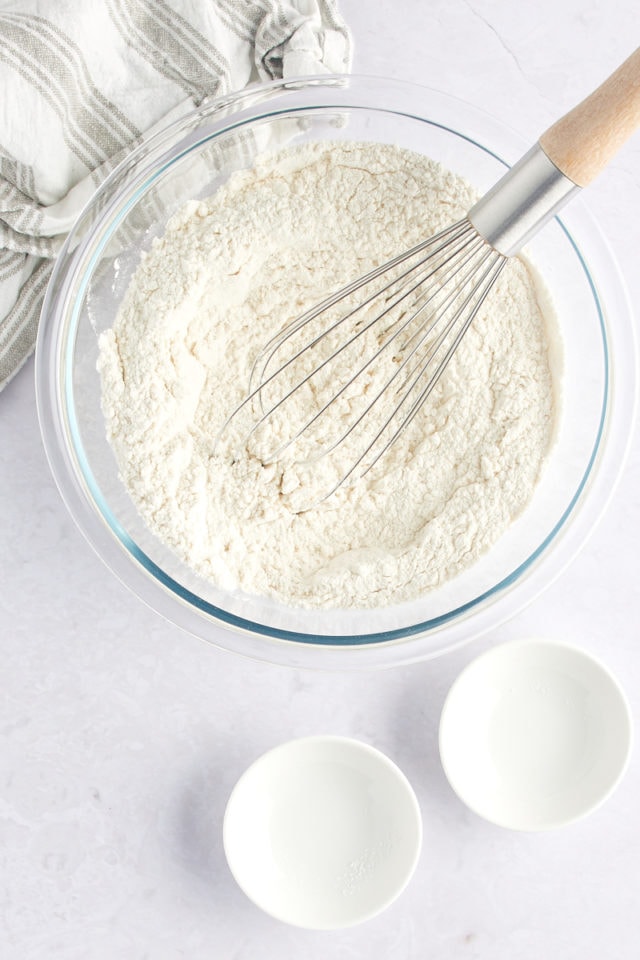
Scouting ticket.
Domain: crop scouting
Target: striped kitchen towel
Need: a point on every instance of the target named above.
(81, 83)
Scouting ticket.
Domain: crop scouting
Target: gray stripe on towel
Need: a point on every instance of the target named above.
(92, 127)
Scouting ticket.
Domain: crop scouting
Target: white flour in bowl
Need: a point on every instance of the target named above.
(202, 303)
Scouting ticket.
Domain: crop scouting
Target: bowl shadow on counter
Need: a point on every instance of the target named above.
(414, 730)
(197, 823)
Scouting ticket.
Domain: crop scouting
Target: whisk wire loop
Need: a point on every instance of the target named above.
(400, 326)
(488, 278)
(414, 322)
(420, 336)
(444, 238)
(459, 231)
(448, 238)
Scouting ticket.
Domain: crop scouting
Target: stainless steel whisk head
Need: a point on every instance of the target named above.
(351, 374)
(389, 335)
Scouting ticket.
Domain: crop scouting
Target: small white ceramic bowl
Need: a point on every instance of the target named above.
(322, 832)
(534, 734)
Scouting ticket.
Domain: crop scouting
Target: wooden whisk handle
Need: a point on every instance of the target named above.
(582, 142)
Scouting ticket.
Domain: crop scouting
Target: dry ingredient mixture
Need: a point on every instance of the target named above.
(200, 306)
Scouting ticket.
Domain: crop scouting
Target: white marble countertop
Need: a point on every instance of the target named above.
(121, 736)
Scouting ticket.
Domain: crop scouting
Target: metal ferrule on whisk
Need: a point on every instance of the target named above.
(530, 194)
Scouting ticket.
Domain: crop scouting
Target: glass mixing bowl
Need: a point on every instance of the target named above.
(191, 158)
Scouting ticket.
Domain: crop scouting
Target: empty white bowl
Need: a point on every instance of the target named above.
(534, 734)
(322, 832)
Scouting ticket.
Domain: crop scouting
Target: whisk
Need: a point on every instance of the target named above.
(362, 362)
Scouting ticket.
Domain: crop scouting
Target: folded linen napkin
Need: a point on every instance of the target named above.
(83, 83)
